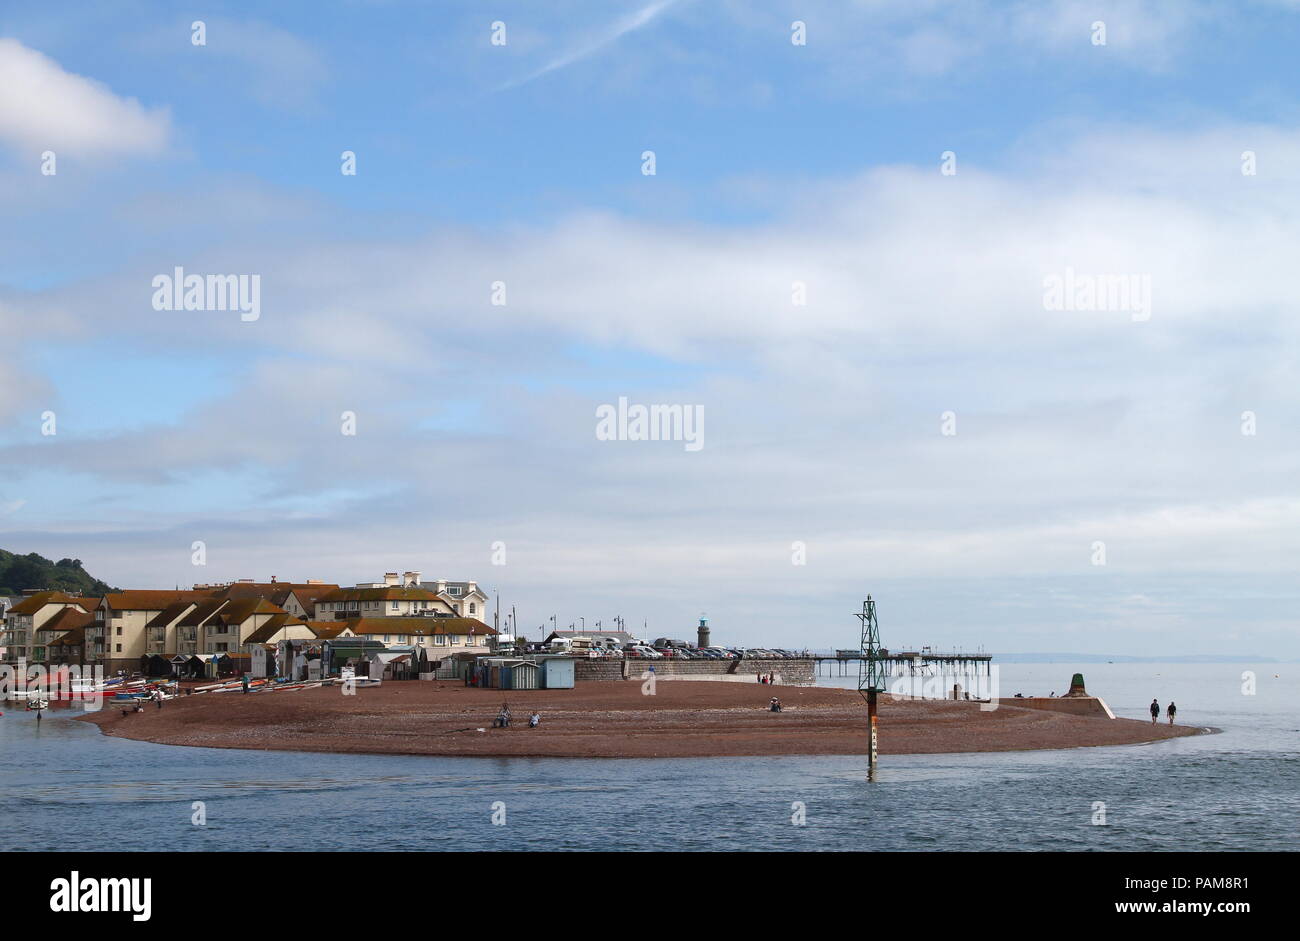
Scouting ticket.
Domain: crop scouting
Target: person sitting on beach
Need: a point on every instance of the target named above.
(1155, 711)
(1172, 711)
(775, 704)
(533, 720)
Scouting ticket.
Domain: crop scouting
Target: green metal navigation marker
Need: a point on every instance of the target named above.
(871, 670)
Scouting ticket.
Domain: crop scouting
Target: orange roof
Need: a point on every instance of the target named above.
(272, 627)
(308, 595)
(149, 599)
(169, 613)
(67, 619)
(327, 630)
(377, 594)
(274, 591)
(75, 637)
(203, 609)
(419, 627)
(34, 603)
(237, 612)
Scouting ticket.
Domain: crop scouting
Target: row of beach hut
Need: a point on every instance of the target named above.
(512, 673)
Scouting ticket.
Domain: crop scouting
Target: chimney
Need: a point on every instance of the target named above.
(411, 579)
(390, 579)
(442, 585)
(473, 587)
(702, 633)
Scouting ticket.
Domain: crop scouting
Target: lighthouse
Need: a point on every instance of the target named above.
(702, 639)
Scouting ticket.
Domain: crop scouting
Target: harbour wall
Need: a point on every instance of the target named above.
(784, 672)
(1091, 706)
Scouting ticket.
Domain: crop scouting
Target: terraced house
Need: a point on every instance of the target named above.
(34, 622)
(212, 625)
(117, 637)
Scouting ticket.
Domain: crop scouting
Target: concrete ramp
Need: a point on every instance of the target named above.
(1088, 706)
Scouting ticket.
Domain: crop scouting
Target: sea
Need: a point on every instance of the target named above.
(65, 786)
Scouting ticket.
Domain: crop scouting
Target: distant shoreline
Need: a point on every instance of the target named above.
(608, 720)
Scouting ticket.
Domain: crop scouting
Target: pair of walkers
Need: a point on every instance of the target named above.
(1155, 711)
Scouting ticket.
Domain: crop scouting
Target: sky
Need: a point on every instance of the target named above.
(841, 262)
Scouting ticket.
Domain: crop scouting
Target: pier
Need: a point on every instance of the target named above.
(923, 662)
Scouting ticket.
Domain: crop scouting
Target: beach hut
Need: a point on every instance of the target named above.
(341, 649)
(519, 674)
(216, 665)
(262, 664)
(556, 673)
(391, 665)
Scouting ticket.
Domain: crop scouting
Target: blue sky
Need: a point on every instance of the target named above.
(775, 163)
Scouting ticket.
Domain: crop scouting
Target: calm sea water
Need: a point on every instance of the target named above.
(66, 786)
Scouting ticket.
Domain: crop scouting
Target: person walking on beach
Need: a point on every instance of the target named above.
(1155, 711)
(244, 682)
(1171, 712)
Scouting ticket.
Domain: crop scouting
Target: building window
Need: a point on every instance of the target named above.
(119, 630)
(119, 648)
(394, 605)
(472, 607)
(439, 640)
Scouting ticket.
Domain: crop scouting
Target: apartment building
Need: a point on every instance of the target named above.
(117, 637)
(380, 602)
(29, 616)
(446, 634)
(62, 638)
(441, 598)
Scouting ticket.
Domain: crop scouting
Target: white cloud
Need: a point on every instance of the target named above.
(925, 294)
(595, 43)
(42, 106)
